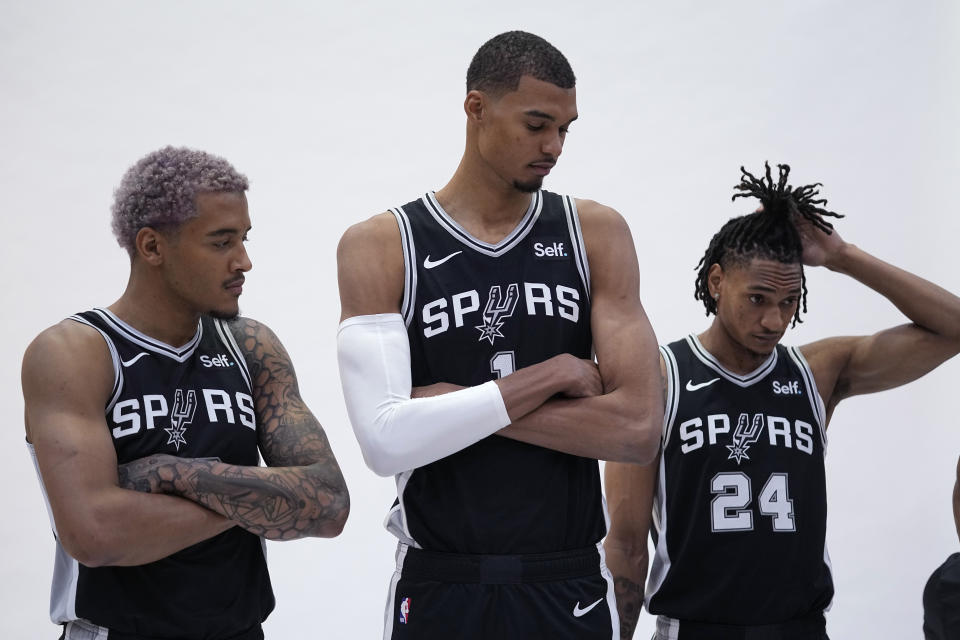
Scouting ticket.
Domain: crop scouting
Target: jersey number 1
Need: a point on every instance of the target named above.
(503, 363)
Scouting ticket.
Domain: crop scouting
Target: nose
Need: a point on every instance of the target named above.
(553, 145)
(241, 261)
(772, 320)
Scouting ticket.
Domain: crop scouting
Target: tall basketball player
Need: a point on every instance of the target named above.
(740, 498)
(146, 419)
(486, 298)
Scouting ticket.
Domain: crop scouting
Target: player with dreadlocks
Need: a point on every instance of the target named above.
(738, 497)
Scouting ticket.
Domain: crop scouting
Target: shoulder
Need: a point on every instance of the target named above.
(66, 341)
(67, 364)
(251, 334)
(609, 245)
(594, 214)
(370, 267)
(374, 233)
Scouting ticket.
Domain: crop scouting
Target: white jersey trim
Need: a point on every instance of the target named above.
(392, 594)
(463, 236)
(226, 337)
(180, 354)
(816, 400)
(576, 238)
(660, 566)
(746, 380)
(673, 395)
(611, 592)
(396, 521)
(409, 265)
(114, 356)
(84, 630)
(66, 571)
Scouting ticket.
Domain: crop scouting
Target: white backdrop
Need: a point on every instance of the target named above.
(337, 111)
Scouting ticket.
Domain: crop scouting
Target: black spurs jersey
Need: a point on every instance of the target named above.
(741, 506)
(193, 401)
(477, 311)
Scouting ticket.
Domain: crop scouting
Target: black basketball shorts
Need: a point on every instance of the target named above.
(551, 595)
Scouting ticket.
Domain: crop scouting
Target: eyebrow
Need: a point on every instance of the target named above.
(763, 289)
(226, 231)
(540, 114)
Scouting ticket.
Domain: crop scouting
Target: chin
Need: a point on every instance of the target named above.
(224, 314)
(531, 186)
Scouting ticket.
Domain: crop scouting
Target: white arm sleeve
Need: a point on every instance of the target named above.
(397, 433)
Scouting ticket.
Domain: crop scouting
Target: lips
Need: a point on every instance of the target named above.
(235, 286)
(542, 168)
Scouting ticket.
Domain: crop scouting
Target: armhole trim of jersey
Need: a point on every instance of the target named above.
(816, 401)
(409, 265)
(226, 337)
(673, 393)
(114, 357)
(576, 239)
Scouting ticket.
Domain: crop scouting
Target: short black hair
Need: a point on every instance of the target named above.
(769, 234)
(499, 64)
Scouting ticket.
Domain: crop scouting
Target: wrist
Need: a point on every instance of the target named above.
(840, 259)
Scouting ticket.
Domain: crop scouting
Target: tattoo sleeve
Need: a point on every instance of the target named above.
(629, 602)
(300, 493)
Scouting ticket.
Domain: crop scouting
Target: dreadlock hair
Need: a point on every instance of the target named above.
(770, 233)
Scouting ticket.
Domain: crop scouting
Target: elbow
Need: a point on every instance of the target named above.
(382, 456)
(381, 463)
(88, 545)
(332, 525)
(641, 443)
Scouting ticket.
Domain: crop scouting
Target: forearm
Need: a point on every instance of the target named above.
(629, 570)
(615, 426)
(279, 503)
(923, 302)
(397, 432)
(127, 528)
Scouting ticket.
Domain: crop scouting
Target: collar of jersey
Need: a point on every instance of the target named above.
(180, 354)
(454, 229)
(743, 381)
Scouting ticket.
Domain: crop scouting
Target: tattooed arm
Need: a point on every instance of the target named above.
(67, 379)
(301, 493)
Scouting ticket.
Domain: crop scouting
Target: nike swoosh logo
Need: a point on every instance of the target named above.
(430, 264)
(577, 611)
(694, 387)
(127, 363)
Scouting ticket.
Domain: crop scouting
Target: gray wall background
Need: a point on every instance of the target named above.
(337, 111)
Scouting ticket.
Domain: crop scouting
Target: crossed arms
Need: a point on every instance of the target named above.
(607, 411)
(108, 515)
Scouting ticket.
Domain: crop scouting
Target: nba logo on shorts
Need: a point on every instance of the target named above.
(405, 610)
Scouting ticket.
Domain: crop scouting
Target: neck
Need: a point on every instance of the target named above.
(482, 202)
(148, 309)
(730, 353)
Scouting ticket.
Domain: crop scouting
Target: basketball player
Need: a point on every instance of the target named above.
(145, 420)
(740, 509)
(941, 596)
(484, 299)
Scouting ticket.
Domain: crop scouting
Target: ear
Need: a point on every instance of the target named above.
(150, 246)
(474, 105)
(715, 280)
